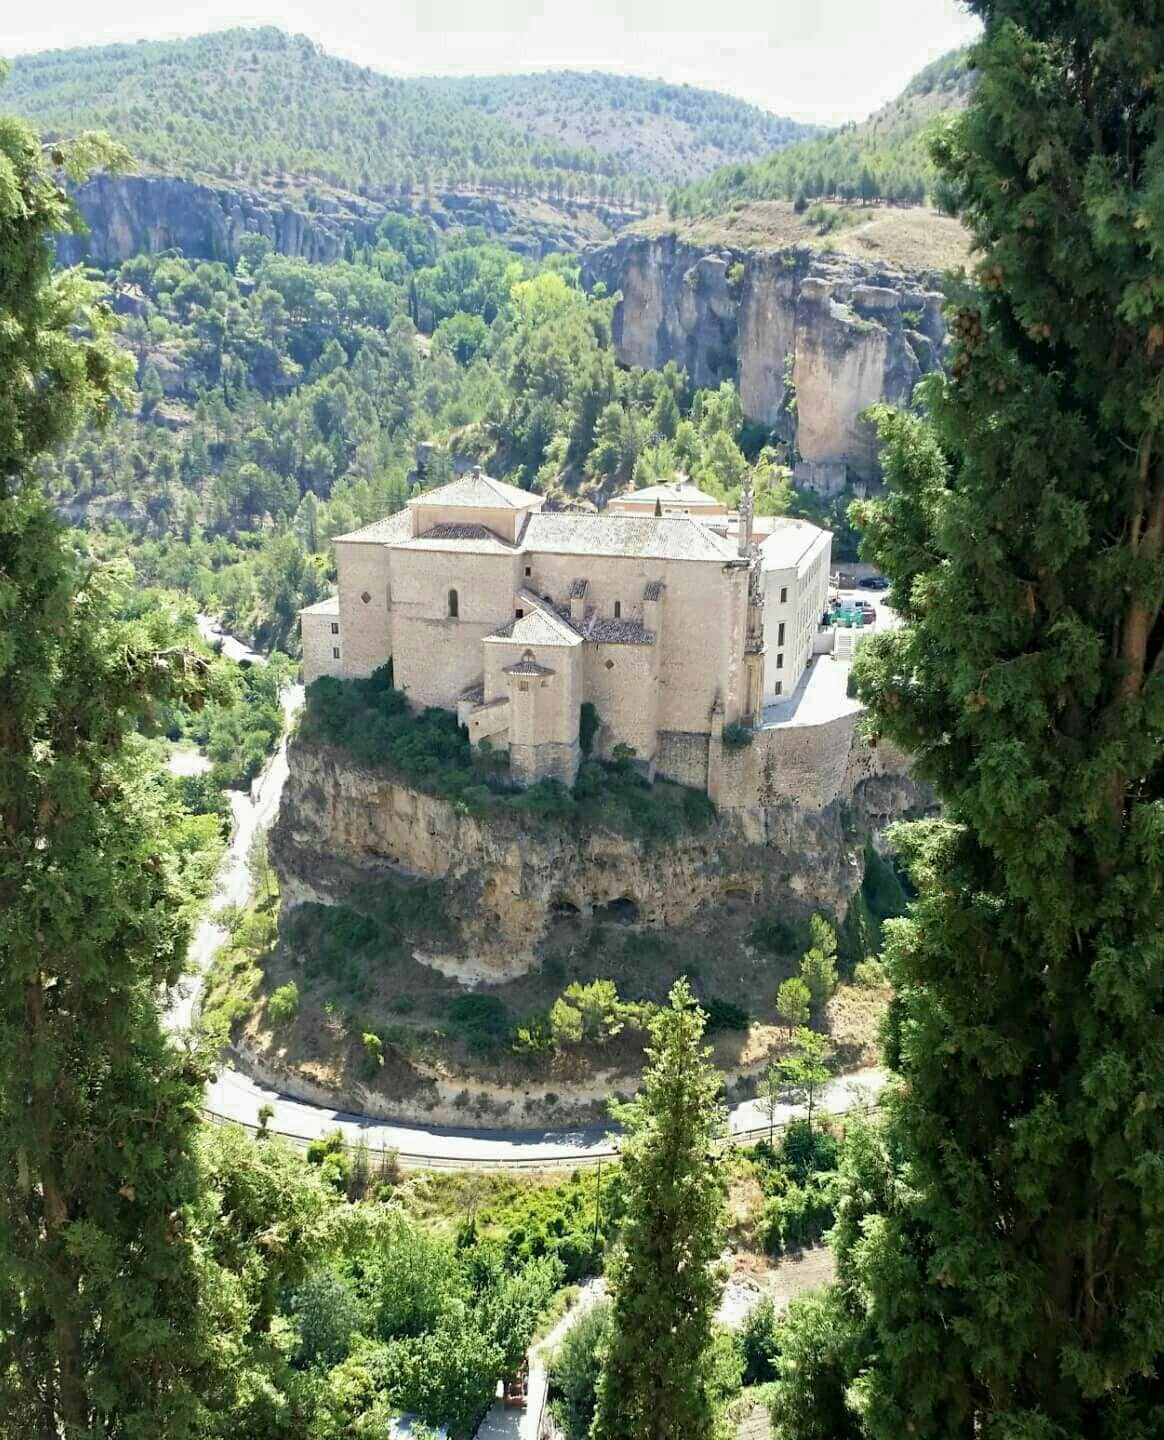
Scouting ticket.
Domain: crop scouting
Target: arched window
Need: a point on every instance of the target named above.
(452, 604)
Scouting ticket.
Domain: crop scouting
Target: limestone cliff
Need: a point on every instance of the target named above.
(507, 882)
(831, 332)
(130, 214)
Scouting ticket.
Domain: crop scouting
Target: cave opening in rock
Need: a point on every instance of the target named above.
(623, 911)
(563, 910)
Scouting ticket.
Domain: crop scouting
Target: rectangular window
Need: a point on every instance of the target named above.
(780, 659)
(335, 652)
(784, 594)
(517, 614)
(780, 633)
(334, 628)
(528, 571)
(779, 689)
(617, 609)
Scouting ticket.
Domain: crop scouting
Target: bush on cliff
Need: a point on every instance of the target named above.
(371, 721)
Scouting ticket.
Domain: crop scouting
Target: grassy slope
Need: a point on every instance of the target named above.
(916, 239)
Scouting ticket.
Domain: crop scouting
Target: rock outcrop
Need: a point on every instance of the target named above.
(130, 214)
(828, 332)
(506, 881)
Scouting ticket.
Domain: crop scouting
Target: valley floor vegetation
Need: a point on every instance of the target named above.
(280, 403)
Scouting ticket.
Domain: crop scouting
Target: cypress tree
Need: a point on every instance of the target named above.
(108, 1306)
(654, 1380)
(1005, 1275)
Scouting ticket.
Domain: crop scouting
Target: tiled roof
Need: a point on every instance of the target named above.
(527, 667)
(478, 491)
(651, 537)
(653, 590)
(330, 606)
(459, 532)
(789, 542)
(602, 630)
(470, 538)
(540, 625)
(474, 694)
(673, 492)
(392, 528)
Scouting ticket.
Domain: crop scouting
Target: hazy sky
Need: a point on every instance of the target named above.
(824, 60)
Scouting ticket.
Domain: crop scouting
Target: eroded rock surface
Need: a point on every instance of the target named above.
(829, 331)
(130, 214)
(506, 881)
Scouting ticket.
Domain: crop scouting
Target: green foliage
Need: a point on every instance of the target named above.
(793, 1002)
(737, 736)
(283, 1006)
(774, 934)
(483, 1021)
(102, 1192)
(885, 156)
(818, 968)
(758, 1343)
(870, 975)
(664, 1283)
(816, 1353)
(372, 722)
(1000, 1245)
(723, 1014)
(665, 131)
(574, 1369)
(807, 1068)
(588, 726)
(265, 107)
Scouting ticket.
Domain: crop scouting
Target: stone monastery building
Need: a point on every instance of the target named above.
(668, 615)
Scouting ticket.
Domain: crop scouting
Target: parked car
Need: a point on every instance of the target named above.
(867, 611)
(873, 582)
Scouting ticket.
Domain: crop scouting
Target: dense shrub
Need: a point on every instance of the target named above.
(372, 722)
(482, 1021)
(776, 935)
(574, 1370)
(737, 736)
(758, 1341)
(798, 1216)
(588, 726)
(283, 1004)
(724, 1014)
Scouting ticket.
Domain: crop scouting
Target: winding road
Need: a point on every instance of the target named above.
(234, 1097)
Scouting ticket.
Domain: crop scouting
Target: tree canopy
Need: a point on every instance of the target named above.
(1001, 1246)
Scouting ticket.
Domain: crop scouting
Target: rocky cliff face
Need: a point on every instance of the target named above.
(830, 332)
(129, 214)
(506, 884)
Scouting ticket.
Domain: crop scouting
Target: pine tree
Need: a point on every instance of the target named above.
(1006, 1279)
(106, 1310)
(664, 1280)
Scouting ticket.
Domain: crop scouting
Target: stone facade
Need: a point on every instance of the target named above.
(515, 617)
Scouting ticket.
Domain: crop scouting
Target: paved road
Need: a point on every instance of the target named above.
(236, 1097)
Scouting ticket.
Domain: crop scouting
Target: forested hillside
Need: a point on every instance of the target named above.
(665, 132)
(884, 157)
(282, 403)
(261, 107)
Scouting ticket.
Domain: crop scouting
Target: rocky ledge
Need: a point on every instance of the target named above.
(811, 339)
